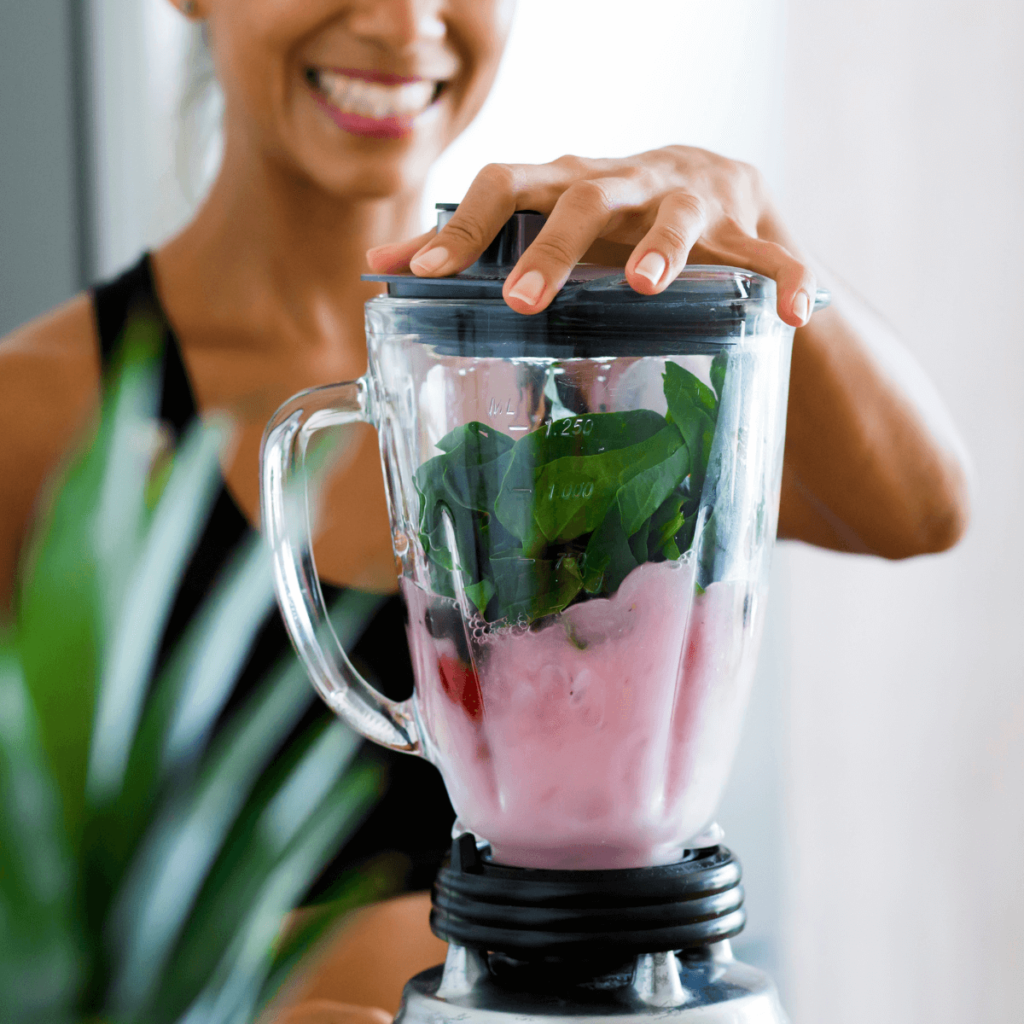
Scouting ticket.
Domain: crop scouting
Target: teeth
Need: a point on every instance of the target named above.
(372, 99)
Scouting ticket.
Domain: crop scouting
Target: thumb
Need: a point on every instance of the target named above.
(394, 258)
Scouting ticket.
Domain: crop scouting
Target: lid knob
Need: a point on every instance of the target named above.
(511, 241)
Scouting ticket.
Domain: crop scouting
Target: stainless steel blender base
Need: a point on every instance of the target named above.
(708, 988)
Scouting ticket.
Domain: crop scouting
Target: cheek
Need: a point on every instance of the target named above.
(253, 42)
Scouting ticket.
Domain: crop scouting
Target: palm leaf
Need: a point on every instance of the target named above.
(372, 882)
(39, 967)
(177, 524)
(71, 575)
(234, 991)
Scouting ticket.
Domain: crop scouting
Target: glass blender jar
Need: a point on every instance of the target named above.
(583, 504)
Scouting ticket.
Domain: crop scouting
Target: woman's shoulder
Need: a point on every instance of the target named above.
(50, 367)
(54, 358)
(49, 388)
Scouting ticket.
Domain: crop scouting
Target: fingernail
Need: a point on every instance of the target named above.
(431, 260)
(652, 266)
(802, 306)
(529, 288)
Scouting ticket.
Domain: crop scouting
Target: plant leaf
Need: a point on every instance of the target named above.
(480, 594)
(608, 559)
(694, 409)
(369, 883)
(72, 577)
(183, 842)
(176, 527)
(40, 962)
(640, 497)
(236, 976)
(572, 494)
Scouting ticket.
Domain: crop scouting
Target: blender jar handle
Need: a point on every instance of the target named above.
(286, 517)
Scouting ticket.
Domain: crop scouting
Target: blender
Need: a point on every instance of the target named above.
(583, 505)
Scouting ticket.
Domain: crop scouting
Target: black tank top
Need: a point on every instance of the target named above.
(414, 818)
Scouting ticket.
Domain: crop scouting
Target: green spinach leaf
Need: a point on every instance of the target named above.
(571, 509)
(693, 408)
(640, 497)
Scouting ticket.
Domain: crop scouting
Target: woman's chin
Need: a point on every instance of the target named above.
(370, 168)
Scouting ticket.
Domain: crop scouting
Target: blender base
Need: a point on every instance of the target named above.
(703, 986)
(618, 945)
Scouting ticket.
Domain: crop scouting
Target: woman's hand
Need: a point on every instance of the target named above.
(872, 463)
(654, 212)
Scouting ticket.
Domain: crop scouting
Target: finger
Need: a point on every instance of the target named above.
(795, 281)
(394, 258)
(496, 193)
(662, 253)
(580, 216)
(325, 1011)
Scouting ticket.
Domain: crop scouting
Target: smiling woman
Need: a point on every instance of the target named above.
(334, 112)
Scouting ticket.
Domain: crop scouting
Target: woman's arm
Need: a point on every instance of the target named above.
(872, 461)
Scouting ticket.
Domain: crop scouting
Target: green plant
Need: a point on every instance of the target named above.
(147, 861)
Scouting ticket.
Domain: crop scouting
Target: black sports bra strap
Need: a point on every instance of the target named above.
(133, 294)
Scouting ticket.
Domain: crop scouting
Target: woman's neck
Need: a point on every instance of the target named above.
(281, 253)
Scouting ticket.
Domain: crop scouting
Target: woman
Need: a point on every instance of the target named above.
(335, 110)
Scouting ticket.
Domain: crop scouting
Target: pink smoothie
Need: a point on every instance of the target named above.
(602, 740)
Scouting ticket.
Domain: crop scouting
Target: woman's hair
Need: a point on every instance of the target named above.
(200, 142)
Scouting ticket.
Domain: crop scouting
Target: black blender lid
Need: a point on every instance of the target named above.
(588, 284)
(596, 313)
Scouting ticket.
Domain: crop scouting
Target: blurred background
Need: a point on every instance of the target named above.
(878, 801)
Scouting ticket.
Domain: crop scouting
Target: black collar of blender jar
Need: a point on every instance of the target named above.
(530, 913)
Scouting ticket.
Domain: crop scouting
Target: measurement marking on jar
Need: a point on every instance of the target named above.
(569, 490)
(494, 408)
(570, 427)
(518, 428)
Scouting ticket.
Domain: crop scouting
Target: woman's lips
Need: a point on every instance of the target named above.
(372, 103)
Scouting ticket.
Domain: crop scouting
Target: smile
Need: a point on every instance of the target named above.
(384, 107)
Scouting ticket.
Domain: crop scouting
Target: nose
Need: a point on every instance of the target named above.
(397, 24)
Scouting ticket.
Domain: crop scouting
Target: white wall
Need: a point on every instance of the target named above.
(905, 173)
(585, 79)
(137, 58)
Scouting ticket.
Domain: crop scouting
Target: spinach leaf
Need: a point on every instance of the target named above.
(693, 408)
(572, 439)
(480, 594)
(472, 464)
(608, 559)
(534, 587)
(666, 522)
(638, 544)
(639, 498)
(487, 442)
(572, 495)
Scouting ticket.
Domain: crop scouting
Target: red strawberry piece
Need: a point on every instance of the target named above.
(461, 685)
